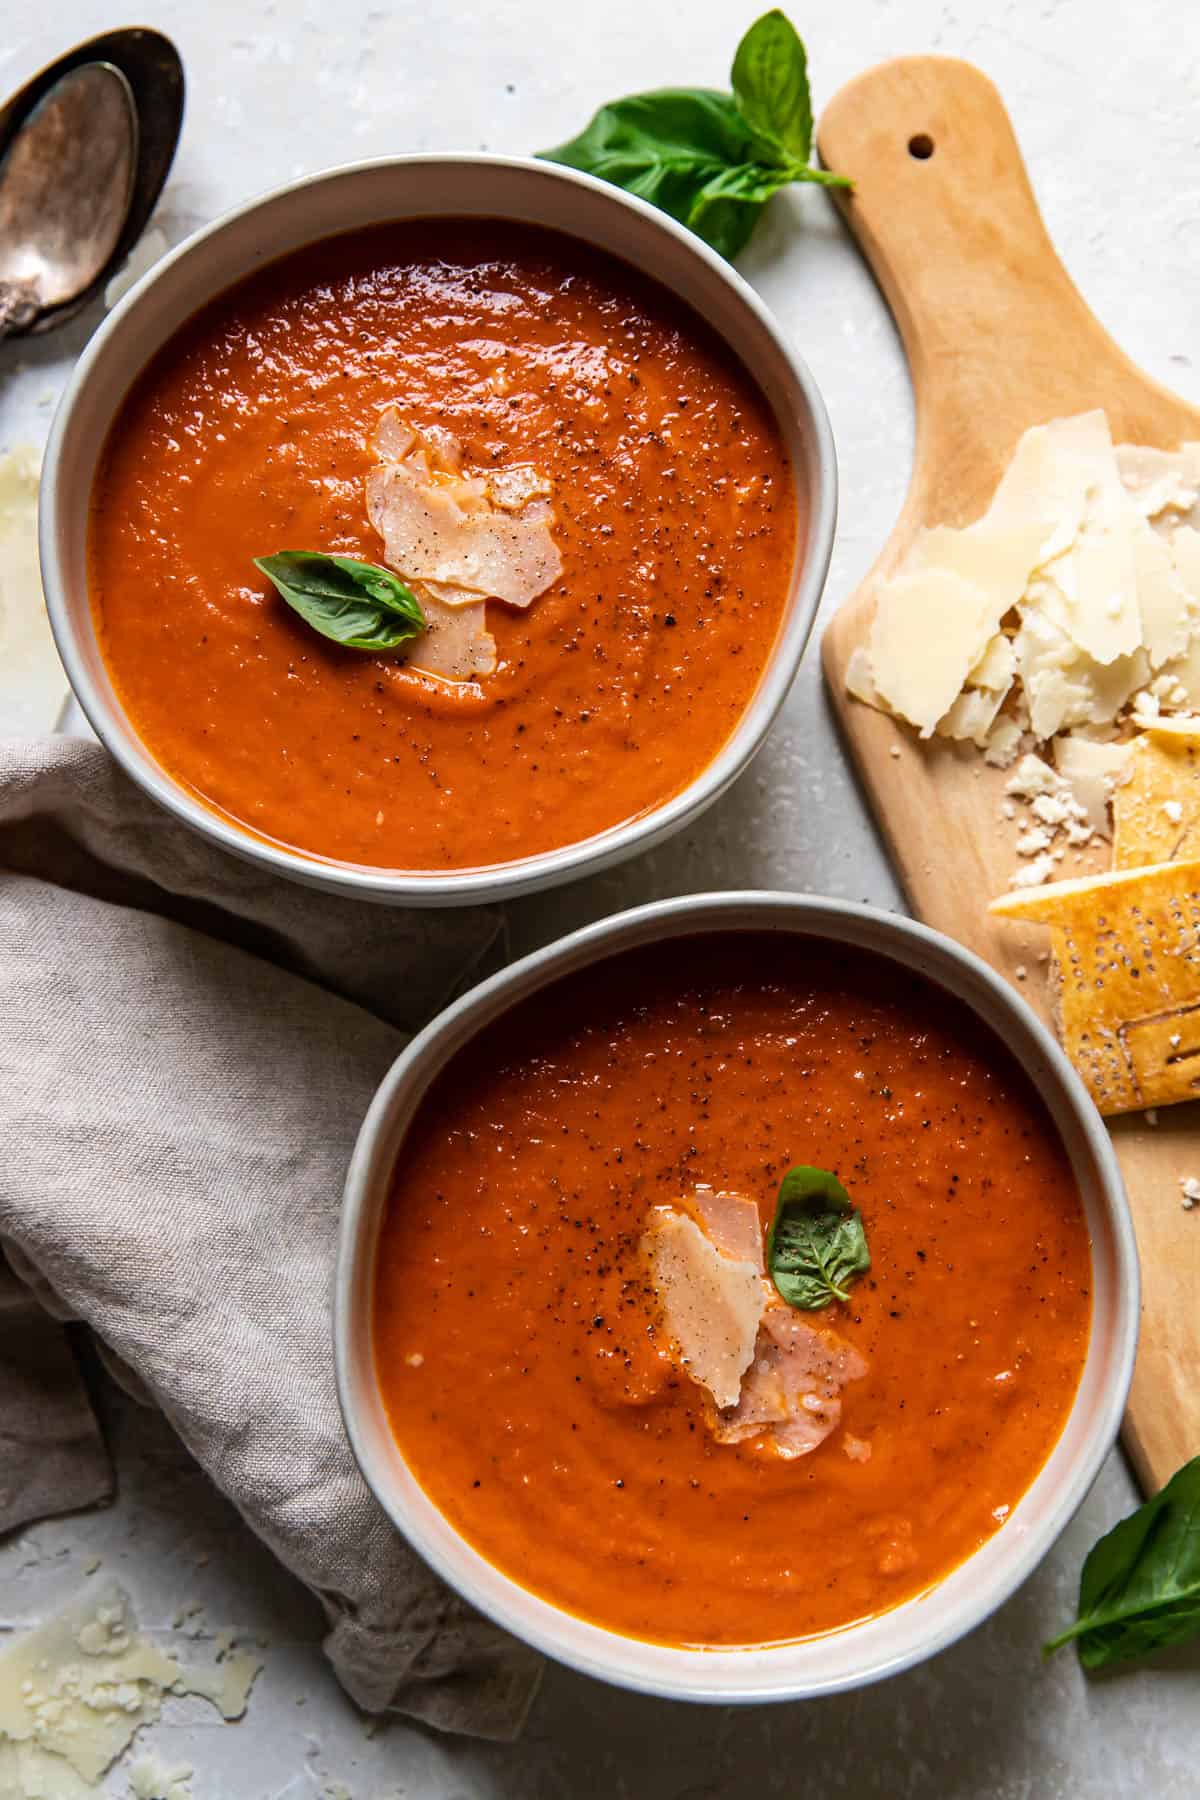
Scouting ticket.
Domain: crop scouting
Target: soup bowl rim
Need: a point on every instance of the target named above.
(62, 504)
(884, 1644)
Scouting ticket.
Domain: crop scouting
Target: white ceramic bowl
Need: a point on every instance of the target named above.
(362, 194)
(912, 1631)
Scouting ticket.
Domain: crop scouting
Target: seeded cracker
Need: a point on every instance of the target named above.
(1156, 811)
(1127, 949)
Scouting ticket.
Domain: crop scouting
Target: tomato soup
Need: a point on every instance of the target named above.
(673, 512)
(522, 1358)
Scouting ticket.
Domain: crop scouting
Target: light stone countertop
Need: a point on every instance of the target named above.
(1106, 102)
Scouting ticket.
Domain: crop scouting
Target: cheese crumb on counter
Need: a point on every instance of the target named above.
(150, 1779)
(32, 684)
(1189, 1187)
(75, 1692)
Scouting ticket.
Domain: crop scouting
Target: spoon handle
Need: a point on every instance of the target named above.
(18, 306)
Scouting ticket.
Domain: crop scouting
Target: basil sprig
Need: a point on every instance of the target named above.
(355, 603)
(1140, 1588)
(712, 160)
(817, 1245)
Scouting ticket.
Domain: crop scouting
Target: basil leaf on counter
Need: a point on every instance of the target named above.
(709, 159)
(770, 86)
(1140, 1588)
(726, 211)
(667, 147)
(816, 1244)
(354, 603)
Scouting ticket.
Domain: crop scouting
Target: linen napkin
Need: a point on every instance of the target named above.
(187, 1048)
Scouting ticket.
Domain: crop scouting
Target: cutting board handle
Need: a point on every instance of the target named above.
(942, 208)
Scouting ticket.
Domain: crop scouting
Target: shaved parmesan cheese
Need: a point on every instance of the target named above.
(1003, 744)
(1101, 581)
(859, 680)
(930, 630)
(1169, 615)
(1049, 478)
(32, 684)
(439, 525)
(76, 1691)
(1092, 770)
(1063, 687)
(1185, 557)
(514, 487)
(1031, 777)
(150, 1779)
(791, 1398)
(1086, 567)
(711, 1304)
(732, 1223)
(771, 1374)
(457, 644)
(1160, 480)
(996, 667)
(227, 1686)
(971, 715)
(81, 1686)
(993, 557)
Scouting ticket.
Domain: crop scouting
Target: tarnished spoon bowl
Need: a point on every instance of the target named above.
(149, 65)
(66, 182)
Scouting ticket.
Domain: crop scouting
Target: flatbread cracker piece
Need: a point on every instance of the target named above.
(1156, 810)
(1127, 946)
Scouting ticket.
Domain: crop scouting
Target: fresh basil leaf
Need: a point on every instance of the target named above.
(726, 209)
(354, 603)
(816, 1244)
(770, 85)
(664, 146)
(709, 159)
(1140, 1588)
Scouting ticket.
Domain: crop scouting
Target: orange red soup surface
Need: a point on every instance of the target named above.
(516, 1339)
(676, 517)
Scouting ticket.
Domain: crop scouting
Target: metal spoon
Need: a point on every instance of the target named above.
(66, 183)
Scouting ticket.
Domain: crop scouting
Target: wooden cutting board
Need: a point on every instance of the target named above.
(998, 339)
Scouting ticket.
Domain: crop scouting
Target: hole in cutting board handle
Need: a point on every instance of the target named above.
(921, 146)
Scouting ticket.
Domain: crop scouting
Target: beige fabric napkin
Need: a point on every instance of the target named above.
(187, 1047)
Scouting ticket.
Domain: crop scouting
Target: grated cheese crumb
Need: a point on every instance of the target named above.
(1190, 1189)
(1034, 873)
(1030, 778)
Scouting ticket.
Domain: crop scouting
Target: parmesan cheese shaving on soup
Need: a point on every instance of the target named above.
(730, 1221)
(772, 1374)
(457, 644)
(791, 1395)
(711, 1303)
(487, 536)
(459, 539)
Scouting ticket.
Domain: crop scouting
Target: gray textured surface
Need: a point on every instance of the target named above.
(1106, 100)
